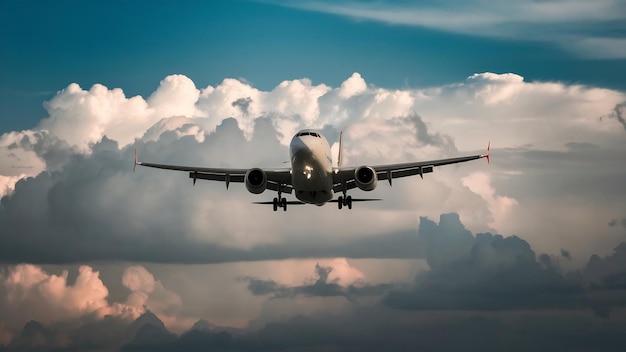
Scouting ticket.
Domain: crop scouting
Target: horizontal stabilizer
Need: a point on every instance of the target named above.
(358, 200)
(290, 202)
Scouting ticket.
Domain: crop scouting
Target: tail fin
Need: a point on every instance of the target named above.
(340, 147)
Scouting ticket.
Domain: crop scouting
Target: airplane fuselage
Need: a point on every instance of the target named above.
(311, 167)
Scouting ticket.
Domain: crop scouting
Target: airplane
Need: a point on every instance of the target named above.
(312, 177)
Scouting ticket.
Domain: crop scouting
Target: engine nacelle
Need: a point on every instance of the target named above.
(256, 181)
(365, 178)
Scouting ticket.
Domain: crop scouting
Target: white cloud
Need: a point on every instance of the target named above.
(176, 95)
(500, 207)
(148, 292)
(7, 184)
(82, 117)
(352, 86)
(380, 126)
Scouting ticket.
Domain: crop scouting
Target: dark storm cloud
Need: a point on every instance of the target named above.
(481, 289)
(613, 266)
(486, 272)
(365, 329)
(490, 272)
(322, 287)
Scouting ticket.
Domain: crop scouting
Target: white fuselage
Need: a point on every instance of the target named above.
(311, 167)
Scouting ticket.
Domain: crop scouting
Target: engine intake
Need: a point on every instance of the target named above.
(365, 178)
(256, 181)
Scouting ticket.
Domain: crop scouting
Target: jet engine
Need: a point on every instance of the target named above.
(365, 178)
(256, 181)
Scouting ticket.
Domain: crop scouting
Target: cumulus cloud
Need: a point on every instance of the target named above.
(82, 117)
(68, 195)
(85, 150)
(490, 272)
(47, 305)
(600, 270)
(149, 293)
(500, 207)
(29, 293)
(176, 95)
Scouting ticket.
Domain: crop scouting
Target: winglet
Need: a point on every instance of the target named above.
(339, 156)
(488, 149)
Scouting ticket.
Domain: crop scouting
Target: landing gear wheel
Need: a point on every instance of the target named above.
(349, 202)
(340, 202)
(275, 204)
(283, 203)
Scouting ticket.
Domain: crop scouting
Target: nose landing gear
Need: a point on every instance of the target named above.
(344, 201)
(280, 202)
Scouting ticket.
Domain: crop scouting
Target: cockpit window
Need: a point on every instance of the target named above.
(314, 134)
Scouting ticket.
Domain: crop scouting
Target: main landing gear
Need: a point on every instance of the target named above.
(280, 202)
(344, 200)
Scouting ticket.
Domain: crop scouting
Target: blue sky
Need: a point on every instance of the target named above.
(133, 44)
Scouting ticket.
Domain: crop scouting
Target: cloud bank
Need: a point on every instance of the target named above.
(69, 198)
(70, 194)
(488, 283)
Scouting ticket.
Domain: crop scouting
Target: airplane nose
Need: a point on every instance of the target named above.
(297, 144)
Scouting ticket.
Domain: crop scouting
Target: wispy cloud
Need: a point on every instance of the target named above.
(574, 25)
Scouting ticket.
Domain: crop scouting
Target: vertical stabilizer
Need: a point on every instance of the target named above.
(340, 148)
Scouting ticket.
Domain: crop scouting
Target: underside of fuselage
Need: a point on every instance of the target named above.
(311, 169)
(311, 183)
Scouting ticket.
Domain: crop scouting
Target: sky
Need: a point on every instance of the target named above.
(526, 252)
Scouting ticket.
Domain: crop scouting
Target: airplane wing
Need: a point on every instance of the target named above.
(276, 178)
(343, 179)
